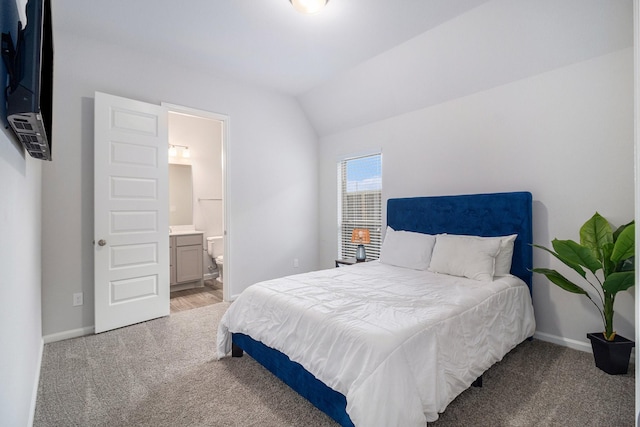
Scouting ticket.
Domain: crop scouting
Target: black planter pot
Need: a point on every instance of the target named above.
(611, 356)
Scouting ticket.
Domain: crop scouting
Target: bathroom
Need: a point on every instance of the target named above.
(196, 201)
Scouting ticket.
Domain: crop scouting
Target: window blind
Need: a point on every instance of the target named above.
(360, 203)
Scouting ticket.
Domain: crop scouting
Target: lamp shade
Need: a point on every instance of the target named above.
(360, 236)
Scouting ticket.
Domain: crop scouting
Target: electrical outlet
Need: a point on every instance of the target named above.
(77, 299)
(296, 264)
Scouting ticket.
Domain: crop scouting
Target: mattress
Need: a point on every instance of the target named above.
(400, 344)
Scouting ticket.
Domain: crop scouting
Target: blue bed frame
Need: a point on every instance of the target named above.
(495, 214)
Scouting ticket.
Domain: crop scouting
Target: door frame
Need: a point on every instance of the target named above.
(226, 221)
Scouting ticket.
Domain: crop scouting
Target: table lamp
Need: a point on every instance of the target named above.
(361, 237)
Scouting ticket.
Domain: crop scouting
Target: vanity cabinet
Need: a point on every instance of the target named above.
(186, 259)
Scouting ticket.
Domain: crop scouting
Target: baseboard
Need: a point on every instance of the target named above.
(210, 276)
(36, 386)
(65, 335)
(565, 342)
(574, 344)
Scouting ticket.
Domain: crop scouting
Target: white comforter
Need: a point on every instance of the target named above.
(400, 344)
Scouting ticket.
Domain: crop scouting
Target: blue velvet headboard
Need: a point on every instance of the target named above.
(495, 214)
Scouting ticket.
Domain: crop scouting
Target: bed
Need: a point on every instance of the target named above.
(393, 342)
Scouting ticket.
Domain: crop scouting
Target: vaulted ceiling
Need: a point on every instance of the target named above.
(264, 42)
(359, 61)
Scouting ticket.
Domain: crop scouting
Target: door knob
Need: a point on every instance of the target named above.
(102, 242)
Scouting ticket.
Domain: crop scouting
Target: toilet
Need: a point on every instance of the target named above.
(215, 248)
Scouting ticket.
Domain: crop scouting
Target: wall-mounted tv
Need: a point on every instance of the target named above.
(29, 93)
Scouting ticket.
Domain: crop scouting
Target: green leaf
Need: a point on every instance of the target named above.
(624, 247)
(618, 230)
(608, 265)
(599, 248)
(561, 281)
(595, 233)
(572, 254)
(575, 266)
(620, 281)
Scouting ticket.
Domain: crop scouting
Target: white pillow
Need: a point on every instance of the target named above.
(503, 260)
(407, 249)
(465, 256)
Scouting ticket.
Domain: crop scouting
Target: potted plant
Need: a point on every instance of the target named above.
(604, 260)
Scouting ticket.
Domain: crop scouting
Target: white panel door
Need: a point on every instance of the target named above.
(131, 212)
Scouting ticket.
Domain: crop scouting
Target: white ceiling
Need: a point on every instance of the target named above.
(261, 42)
(359, 61)
(496, 43)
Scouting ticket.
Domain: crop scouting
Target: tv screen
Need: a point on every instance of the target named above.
(29, 94)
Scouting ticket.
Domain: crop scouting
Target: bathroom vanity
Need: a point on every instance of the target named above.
(186, 244)
(186, 250)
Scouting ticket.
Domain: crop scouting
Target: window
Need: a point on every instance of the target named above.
(360, 203)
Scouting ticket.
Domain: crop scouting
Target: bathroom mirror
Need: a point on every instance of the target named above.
(180, 195)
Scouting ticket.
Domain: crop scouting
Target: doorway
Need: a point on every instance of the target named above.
(131, 221)
(198, 141)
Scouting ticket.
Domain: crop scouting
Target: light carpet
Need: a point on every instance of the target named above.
(164, 373)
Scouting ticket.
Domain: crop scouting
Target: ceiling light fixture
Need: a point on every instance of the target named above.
(308, 6)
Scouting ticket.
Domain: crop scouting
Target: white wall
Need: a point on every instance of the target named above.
(272, 171)
(565, 135)
(20, 271)
(20, 279)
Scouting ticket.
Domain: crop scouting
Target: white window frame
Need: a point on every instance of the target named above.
(370, 215)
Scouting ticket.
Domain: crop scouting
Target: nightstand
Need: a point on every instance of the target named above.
(349, 261)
